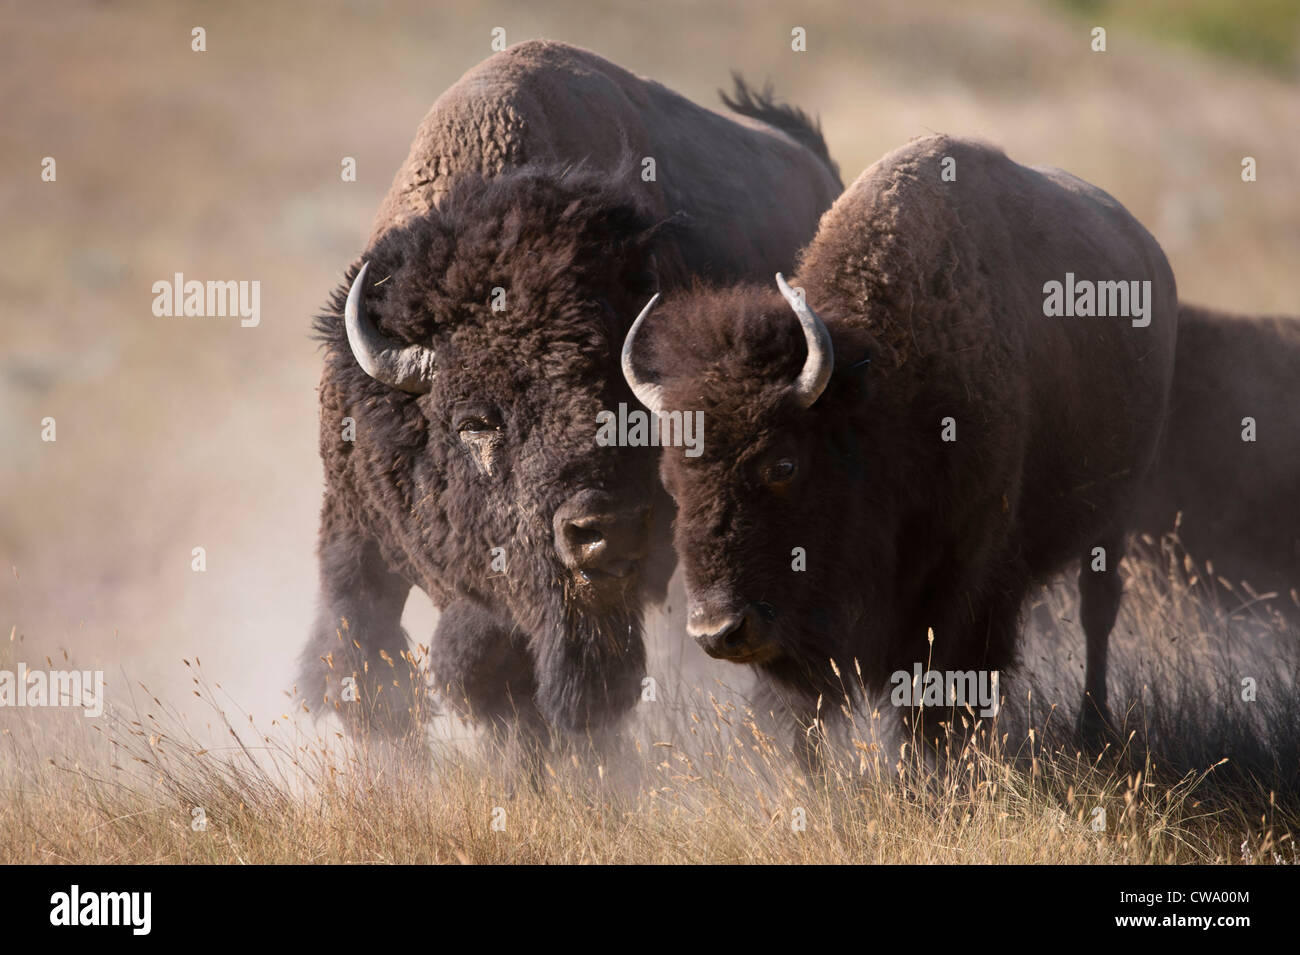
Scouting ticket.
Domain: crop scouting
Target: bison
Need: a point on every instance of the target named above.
(1239, 499)
(926, 439)
(469, 351)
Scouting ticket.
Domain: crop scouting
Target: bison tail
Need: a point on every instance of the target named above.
(791, 120)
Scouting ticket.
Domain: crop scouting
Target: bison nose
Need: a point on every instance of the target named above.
(598, 536)
(739, 638)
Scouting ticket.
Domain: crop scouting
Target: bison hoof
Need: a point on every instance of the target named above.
(1095, 728)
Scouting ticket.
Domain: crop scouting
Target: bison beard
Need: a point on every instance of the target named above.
(579, 673)
(589, 666)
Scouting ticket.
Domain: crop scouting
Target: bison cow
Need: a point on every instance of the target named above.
(469, 352)
(914, 437)
(1235, 482)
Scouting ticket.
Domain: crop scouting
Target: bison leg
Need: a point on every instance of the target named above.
(353, 661)
(486, 673)
(1100, 592)
(485, 668)
(980, 642)
(810, 737)
(791, 714)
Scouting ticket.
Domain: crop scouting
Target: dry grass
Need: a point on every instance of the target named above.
(1201, 776)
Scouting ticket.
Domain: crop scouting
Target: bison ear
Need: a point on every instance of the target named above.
(638, 277)
(647, 268)
(860, 365)
(652, 272)
(653, 256)
(856, 353)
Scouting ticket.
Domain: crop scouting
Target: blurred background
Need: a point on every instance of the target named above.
(176, 433)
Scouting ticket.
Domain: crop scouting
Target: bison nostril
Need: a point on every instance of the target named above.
(725, 638)
(599, 538)
(741, 638)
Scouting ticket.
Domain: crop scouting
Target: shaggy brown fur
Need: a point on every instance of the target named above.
(1240, 500)
(753, 183)
(941, 286)
(527, 176)
(435, 498)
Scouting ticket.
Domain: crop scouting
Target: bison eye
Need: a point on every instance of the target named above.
(476, 426)
(780, 473)
(476, 420)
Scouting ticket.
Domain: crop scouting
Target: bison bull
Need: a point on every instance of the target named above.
(1236, 483)
(914, 428)
(467, 359)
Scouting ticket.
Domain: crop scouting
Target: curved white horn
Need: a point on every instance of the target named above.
(408, 367)
(816, 373)
(648, 393)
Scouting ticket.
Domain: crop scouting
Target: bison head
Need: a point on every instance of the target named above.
(473, 350)
(777, 515)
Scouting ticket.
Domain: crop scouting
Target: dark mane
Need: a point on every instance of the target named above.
(547, 229)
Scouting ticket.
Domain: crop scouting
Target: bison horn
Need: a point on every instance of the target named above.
(816, 373)
(408, 367)
(648, 393)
